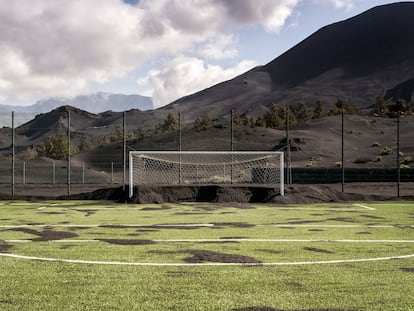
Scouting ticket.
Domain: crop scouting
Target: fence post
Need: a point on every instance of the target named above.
(13, 155)
(112, 172)
(54, 172)
(398, 155)
(68, 171)
(83, 172)
(24, 172)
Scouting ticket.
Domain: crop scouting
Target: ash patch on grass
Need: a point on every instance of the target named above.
(47, 234)
(342, 219)
(316, 230)
(318, 250)
(294, 284)
(200, 256)
(78, 228)
(128, 242)
(162, 208)
(189, 213)
(269, 251)
(52, 213)
(147, 230)
(66, 246)
(234, 237)
(4, 247)
(363, 232)
(411, 270)
(372, 216)
(88, 212)
(118, 226)
(233, 224)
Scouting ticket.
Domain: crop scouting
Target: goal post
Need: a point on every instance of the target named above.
(200, 168)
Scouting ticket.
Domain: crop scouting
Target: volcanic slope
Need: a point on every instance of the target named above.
(360, 58)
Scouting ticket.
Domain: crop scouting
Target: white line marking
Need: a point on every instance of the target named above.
(225, 240)
(107, 226)
(364, 206)
(42, 207)
(121, 263)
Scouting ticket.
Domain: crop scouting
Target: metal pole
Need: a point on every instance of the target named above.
(13, 154)
(288, 175)
(398, 155)
(24, 172)
(180, 146)
(231, 131)
(232, 143)
(68, 171)
(112, 172)
(342, 151)
(54, 172)
(124, 149)
(83, 172)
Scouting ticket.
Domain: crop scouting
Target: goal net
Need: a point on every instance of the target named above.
(191, 168)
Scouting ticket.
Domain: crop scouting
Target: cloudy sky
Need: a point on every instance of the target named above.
(160, 48)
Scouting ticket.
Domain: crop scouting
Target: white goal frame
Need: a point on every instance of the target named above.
(258, 173)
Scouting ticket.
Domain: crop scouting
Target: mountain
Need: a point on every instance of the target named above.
(94, 103)
(361, 58)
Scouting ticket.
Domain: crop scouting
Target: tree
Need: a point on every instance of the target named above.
(119, 133)
(260, 121)
(318, 111)
(56, 146)
(203, 122)
(301, 112)
(29, 154)
(171, 123)
(287, 111)
(85, 144)
(142, 132)
(104, 141)
(380, 106)
(343, 104)
(271, 117)
(400, 106)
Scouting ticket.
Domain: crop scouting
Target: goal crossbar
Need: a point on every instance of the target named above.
(198, 168)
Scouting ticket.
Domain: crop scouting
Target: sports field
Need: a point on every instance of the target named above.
(88, 255)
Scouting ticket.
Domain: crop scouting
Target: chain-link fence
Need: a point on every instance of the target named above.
(45, 156)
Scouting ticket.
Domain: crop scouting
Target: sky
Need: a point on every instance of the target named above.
(165, 49)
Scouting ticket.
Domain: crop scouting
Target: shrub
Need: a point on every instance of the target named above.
(386, 151)
(338, 164)
(378, 159)
(376, 144)
(404, 166)
(407, 160)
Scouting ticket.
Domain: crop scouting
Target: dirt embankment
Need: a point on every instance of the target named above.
(294, 194)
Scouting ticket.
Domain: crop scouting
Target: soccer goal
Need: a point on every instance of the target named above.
(197, 168)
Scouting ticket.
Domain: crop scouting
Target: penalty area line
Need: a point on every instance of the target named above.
(122, 263)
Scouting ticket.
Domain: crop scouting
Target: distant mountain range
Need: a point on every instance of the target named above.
(359, 59)
(94, 103)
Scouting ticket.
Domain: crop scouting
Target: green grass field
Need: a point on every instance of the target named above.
(86, 255)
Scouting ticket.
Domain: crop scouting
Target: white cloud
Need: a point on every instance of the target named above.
(219, 47)
(59, 47)
(340, 4)
(185, 75)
